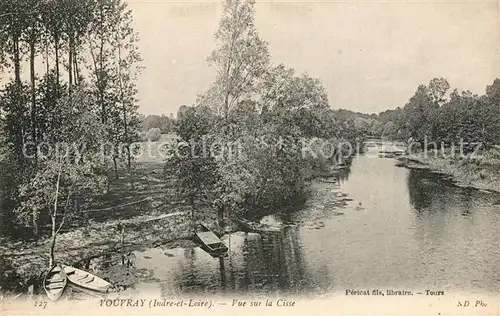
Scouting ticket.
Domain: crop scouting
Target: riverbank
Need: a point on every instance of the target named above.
(143, 211)
(24, 262)
(481, 171)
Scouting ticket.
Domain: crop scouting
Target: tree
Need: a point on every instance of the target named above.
(153, 134)
(420, 113)
(33, 34)
(390, 130)
(54, 20)
(115, 66)
(13, 22)
(16, 119)
(195, 171)
(376, 128)
(63, 33)
(163, 122)
(69, 170)
(297, 101)
(492, 102)
(449, 119)
(240, 59)
(127, 61)
(437, 89)
(257, 115)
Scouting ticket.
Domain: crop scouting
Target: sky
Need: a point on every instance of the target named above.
(369, 55)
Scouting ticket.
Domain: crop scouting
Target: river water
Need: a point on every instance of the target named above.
(382, 227)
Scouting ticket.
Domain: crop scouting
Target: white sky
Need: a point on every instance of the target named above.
(370, 56)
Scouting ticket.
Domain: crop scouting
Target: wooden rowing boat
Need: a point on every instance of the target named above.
(86, 280)
(334, 180)
(250, 226)
(209, 241)
(55, 282)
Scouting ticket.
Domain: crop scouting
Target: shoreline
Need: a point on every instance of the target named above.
(481, 174)
(26, 261)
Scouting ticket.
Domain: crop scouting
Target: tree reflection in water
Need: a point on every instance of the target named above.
(434, 192)
(420, 194)
(258, 263)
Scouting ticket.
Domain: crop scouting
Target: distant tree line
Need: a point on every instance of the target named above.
(437, 114)
(71, 69)
(163, 122)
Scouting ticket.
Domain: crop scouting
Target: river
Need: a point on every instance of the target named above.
(382, 227)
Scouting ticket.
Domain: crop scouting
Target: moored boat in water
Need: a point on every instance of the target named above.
(255, 227)
(209, 241)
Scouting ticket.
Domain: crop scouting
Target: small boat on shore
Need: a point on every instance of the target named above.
(255, 227)
(209, 241)
(86, 280)
(55, 282)
(340, 166)
(391, 151)
(385, 154)
(327, 180)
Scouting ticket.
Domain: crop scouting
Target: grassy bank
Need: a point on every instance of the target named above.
(481, 171)
(140, 210)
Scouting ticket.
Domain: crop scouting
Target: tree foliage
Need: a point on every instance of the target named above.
(256, 115)
(163, 122)
(84, 95)
(69, 168)
(240, 59)
(438, 116)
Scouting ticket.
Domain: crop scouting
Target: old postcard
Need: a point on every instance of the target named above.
(163, 157)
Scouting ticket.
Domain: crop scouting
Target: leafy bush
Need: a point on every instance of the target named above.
(153, 134)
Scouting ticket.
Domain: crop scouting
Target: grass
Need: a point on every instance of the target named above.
(481, 171)
(154, 152)
(144, 202)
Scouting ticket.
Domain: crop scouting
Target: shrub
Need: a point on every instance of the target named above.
(154, 134)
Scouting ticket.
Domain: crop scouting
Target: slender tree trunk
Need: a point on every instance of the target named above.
(221, 218)
(124, 110)
(226, 106)
(53, 217)
(77, 72)
(101, 72)
(33, 99)
(115, 166)
(56, 47)
(36, 229)
(127, 143)
(19, 130)
(17, 61)
(47, 69)
(193, 219)
(52, 244)
(70, 64)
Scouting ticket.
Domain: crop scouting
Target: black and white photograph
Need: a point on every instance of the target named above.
(249, 156)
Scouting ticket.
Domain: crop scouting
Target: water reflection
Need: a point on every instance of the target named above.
(258, 263)
(343, 174)
(420, 191)
(415, 230)
(429, 191)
